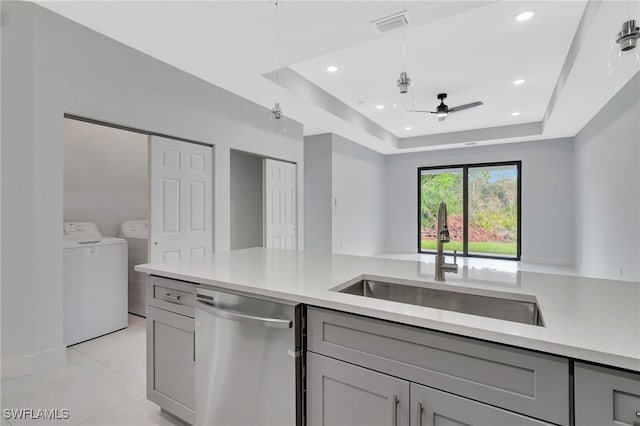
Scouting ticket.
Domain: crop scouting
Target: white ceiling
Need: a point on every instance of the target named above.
(475, 55)
(232, 44)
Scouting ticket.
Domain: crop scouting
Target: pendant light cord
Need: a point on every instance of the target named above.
(404, 41)
(277, 55)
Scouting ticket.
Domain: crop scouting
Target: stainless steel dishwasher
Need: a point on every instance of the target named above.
(248, 361)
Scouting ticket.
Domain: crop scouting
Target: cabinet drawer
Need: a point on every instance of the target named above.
(171, 295)
(604, 396)
(518, 380)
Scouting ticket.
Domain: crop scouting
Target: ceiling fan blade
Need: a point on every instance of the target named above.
(419, 110)
(466, 106)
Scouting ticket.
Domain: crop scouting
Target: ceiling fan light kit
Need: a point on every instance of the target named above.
(442, 110)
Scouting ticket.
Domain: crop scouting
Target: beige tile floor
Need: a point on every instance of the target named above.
(102, 383)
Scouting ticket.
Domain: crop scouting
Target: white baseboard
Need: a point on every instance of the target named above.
(29, 364)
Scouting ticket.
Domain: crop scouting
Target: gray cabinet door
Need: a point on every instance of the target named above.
(341, 394)
(604, 396)
(171, 362)
(431, 407)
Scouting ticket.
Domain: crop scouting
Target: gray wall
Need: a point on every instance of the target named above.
(106, 177)
(52, 66)
(547, 195)
(318, 199)
(246, 200)
(607, 198)
(345, 196)
(359, 199)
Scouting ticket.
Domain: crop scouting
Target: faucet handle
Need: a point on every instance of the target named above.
(455, 262)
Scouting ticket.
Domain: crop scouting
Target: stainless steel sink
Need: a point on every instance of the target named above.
(523, 311)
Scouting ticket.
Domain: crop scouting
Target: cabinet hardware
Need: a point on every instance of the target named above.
(172, 297)
(395, 402)
(419, 414)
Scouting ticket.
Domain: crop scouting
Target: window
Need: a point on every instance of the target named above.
(483, 206)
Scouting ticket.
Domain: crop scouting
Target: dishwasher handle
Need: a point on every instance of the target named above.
(237, 316)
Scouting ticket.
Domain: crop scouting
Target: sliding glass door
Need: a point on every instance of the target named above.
(483, 203)
(436, 185)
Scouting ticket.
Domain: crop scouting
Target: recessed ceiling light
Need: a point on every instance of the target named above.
(407, 128)
(515, 114)
(332, 68)
(395, 105)
(380, 106)
(524, 16)
(518, 82)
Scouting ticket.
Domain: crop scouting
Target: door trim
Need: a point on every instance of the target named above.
(131, 129)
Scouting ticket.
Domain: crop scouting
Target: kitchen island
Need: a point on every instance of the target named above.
(584, 321)
(584, 318)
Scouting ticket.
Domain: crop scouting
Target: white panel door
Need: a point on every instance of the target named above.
(181, 216)
(280, 205)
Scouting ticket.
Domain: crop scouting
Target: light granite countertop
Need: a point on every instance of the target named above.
(585, 318)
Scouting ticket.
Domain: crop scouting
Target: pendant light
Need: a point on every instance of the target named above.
(404, 82)
(277, 111)
(277, 114)
(628, 37)
(624, 55)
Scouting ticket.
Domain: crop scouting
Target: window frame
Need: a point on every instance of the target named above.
(465, 206)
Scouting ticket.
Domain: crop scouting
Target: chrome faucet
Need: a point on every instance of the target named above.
(443, 237)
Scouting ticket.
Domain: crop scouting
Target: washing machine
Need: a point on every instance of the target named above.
(94, 283)
(136, 232)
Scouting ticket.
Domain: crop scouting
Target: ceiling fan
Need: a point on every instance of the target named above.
(442, 110)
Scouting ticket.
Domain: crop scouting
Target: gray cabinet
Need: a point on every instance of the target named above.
(431, 407)
(604, 396)
(525, 382)
(342, 394)
(171, 362)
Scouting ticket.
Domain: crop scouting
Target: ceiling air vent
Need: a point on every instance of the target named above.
(391, 22)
